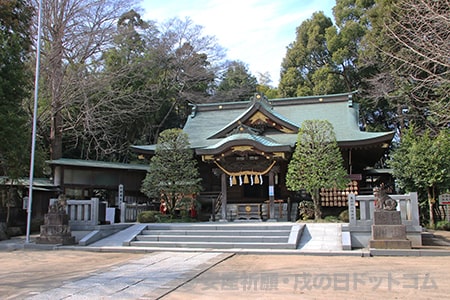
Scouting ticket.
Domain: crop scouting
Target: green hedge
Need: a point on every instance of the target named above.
(443, 225)
(149, 216)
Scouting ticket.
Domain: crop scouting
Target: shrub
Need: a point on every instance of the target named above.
(443, 225)
(306, 210)
(148, 216)
(331, 219)
(343, 216)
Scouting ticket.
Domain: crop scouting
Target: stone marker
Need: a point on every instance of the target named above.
(56, 228)
(387, 229)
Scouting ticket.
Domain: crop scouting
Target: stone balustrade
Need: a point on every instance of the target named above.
(407, 204)
(82, 212)
(361, 211)
(130, 211)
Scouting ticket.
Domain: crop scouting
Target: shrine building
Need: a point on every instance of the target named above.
(243, 151)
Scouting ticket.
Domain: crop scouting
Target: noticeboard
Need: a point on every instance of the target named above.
(444, 199)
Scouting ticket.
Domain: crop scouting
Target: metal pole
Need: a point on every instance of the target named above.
(33, 136)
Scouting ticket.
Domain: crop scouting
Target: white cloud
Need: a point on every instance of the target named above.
(255, 32)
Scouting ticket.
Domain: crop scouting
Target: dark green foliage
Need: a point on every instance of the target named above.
(421, 163)
(344, 217)
(306, 59)
(143, 85)
(173, 172)
(306, 210)
(149, 217)
(443, 225)
(316, 162)
(236, 84)
(324, 58)
(15, 80)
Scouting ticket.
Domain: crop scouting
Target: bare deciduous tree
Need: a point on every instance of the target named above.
(416, 46)
(142, 86)
(74, 33)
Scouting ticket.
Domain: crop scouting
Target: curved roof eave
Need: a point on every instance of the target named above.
(96, 164)
(260, 143)
(376, 139)
(144, 149)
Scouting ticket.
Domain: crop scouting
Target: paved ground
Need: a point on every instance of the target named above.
(75, 274)
(67, 274)
(315, 277)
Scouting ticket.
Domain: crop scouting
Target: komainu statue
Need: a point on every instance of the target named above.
(382, 199)
(59, 205)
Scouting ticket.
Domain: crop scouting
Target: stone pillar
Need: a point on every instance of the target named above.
(388, 231)
(271, 196)
(223, 215)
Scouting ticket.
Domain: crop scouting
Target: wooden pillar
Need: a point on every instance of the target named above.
(223, 215)
(271, 196)
(350, 167)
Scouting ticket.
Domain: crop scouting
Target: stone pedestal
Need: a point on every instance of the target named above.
(388, 231)
(56, 229)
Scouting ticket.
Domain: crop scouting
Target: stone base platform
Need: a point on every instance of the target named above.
(390, 244)
(388, 231)
(56, 230)
(56, 240)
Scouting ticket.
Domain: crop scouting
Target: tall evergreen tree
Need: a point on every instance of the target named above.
(15, 79)
(324, 58)
(173, 171)
(317, 162)
(421, 163)
(307, 63)
(236, 84)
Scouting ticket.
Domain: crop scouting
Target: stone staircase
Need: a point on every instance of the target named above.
(220, 236)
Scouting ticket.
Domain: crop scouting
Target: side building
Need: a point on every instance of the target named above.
(111, 182)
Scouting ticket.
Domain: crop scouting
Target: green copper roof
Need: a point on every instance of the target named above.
(259, 106)
(339, 110)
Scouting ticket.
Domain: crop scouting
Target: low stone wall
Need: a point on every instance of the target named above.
(82, 212)
(360, 225)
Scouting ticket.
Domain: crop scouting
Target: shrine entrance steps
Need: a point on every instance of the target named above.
(241, 235)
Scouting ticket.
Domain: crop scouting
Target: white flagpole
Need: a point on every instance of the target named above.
(33, 138)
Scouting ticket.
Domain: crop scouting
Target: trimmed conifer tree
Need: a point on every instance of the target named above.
(173, 171)
(316, 162)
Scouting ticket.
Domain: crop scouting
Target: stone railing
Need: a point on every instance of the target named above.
(130, 211)
(358, 232)
(407, 204)
(92, 212)
(82, 212)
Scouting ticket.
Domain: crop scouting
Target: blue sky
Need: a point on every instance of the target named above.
(255, 32)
